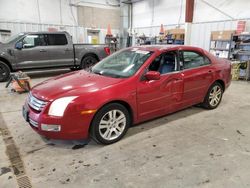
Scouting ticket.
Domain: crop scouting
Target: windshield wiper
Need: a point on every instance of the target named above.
(99, 72)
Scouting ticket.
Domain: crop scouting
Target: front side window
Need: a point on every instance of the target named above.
(193, 60)
(57, 39)
(30, 41)
(165, 63)
(122, 64)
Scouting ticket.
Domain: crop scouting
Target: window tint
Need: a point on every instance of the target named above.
(193, 59)
(155, 65)
(57, 39)
(164, 63)
(33, 40)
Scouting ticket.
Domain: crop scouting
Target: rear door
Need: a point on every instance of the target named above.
(60, 50)
(33, 54)
(197, 74)
(159, 97)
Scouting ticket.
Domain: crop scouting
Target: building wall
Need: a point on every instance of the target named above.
(38, 11)
(149, 14)
(201, 32)
(97, 17)
(78, 33)
(41, 15)
(236, 9)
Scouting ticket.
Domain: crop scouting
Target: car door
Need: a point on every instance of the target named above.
(197, 75)
(60, 50)
(159, 97)
(33, 53)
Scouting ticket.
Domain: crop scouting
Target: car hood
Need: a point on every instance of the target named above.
(2, 46)
(72, 84)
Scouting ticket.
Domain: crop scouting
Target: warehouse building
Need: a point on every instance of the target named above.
(124, 93)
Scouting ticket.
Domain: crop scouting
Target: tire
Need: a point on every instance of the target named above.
(88, 62)
(4, 72)
(213, 96)
(108, 132)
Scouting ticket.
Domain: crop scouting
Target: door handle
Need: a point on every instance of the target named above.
(66, 50)
(210, 71)
(42, 50)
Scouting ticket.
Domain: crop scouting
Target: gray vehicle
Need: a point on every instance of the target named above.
(47, 50)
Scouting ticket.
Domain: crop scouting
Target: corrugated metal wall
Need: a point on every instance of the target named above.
(148, 15)
(153, 31)
(79, 34)
(201, 32)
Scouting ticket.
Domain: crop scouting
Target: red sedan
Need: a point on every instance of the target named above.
(131, 86)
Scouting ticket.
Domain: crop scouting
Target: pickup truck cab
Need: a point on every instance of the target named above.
(40, 50)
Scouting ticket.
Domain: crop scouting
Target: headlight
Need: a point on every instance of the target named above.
(58, 106)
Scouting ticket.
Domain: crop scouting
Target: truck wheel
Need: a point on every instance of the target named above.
(4, 72)
(88, 62)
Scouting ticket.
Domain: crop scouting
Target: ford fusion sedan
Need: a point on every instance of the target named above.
(131, 86)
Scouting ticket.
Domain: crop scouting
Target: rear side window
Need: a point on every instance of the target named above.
(57, 39)
(193, 59)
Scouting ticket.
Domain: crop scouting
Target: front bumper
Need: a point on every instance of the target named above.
(73, 126)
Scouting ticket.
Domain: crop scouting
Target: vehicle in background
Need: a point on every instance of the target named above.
(131, 86)
(40, 50)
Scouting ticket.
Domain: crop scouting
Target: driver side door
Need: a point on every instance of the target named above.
(33, 54)
(159, 97)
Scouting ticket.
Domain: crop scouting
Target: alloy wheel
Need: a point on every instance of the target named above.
(215, 96)
(112, 124)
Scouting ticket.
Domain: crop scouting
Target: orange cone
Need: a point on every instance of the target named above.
(109, 34)
(162, 30)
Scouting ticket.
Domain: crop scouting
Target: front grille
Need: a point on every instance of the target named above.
(35, 103)
(33, 123)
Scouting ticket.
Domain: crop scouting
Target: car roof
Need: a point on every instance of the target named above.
(167, 47)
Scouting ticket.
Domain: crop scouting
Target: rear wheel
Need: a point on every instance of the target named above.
(110, 123)
(4, 72)
(88, 62)
(214, 96)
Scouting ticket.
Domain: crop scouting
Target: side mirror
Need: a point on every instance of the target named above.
(19, 45)
(153, 75)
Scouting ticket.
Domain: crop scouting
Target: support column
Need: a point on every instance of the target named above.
(124, 24)
(188, 21)
(188, 29)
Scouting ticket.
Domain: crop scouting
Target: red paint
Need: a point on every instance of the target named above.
(147, 98)
(241, 27)
(107, 50)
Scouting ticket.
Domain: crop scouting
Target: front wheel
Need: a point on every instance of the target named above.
(110, 123)
(4, 72)
(214, 96)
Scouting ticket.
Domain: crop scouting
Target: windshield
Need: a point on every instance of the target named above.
(122, 64)
(14, 38)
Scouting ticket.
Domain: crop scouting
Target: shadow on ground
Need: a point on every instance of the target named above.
(135, 129)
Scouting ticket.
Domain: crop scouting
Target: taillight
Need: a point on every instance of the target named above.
(107, 50)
